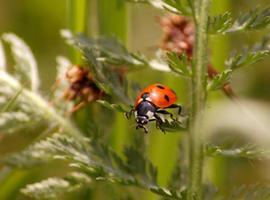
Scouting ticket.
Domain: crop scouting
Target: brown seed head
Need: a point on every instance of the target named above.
(178, 34)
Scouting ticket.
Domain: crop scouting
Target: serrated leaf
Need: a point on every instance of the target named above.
(247, 57)
(179, 6)
(9, 119)
(31, 103)
(110, 49)
(253, 20)
(248, 151)
(173, 126)
(114, 107)
(53, 188)
(174, 6)
(107, 76)
(220, 23)
(179, 64)
(2, 57)
(100, 162)
(25, 63)
(220, 80)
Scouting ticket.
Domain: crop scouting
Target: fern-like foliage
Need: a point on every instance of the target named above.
(174, 6)
(220, 80)
(26, 66)
(96, 161)
(22, 107)
(258, 18)
(252, 20)
(248, 151)
(53, 188)
(179, 64)
(248, 56)
(220, 23)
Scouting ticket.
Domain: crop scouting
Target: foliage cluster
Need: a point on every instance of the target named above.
(90, 159)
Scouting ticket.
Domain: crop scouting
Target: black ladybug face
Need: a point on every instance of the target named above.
(142, 120)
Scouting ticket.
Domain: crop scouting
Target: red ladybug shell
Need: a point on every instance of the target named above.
(160, 95)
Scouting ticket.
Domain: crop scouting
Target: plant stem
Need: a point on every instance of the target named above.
(76, 17)
(198, 101)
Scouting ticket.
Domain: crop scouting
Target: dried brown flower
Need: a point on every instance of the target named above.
(178, 34)
(82, 87)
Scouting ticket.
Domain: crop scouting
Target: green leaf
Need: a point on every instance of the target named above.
(109, 49)
(173, 125)
(253, 20)
(220, 80)
(175, 6)
(179, 64)
(247, 57)
(114, 107)
(25, 63)
(34, 105)
(179, 6)
(220, 23)
(98, 161)
(53, 188)
(249, 151)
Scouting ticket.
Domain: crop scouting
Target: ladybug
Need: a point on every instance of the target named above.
(151, 102)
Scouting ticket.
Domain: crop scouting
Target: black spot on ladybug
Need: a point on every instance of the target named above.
(145, 95)
(167, 98)
(160, 87)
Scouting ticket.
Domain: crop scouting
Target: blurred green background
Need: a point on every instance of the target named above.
(39, 23)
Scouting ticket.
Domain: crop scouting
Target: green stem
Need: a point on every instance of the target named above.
(198, 101)
(76, 16)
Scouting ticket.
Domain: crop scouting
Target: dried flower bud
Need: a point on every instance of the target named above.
(178, 34)
(82, 87)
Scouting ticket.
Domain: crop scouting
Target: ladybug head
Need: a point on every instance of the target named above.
(142, 119)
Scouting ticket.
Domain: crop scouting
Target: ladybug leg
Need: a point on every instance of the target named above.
(176, 106)
(159, 122)
(165, 112)
(130, 113)
(144, 128)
